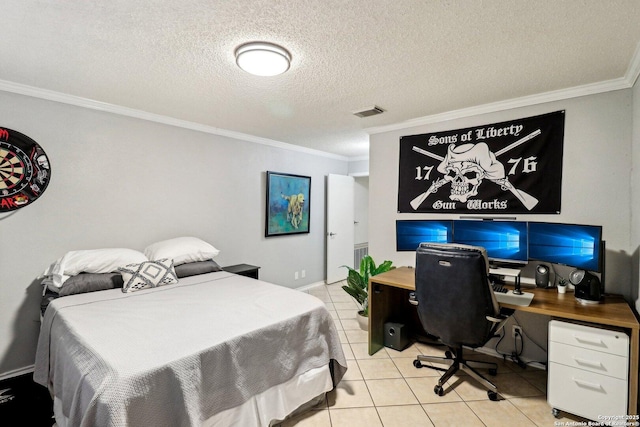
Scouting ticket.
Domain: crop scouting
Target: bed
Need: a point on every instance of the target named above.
(209, 349)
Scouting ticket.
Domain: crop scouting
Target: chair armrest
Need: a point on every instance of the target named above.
(501, 318)
(412, 298)
(495, 319)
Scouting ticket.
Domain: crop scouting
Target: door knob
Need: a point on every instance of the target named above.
(332, 234)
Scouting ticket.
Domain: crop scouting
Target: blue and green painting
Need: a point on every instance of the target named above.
(288, 204)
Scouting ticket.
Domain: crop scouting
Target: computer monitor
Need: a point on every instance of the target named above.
(574, 245)
(410, 233)
(505, 241)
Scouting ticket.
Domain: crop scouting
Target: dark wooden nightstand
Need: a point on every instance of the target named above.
(243, 270)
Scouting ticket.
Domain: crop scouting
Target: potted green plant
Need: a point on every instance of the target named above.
(358, 284)
(562, 286)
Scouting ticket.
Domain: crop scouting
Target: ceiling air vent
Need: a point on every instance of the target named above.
(369, 112)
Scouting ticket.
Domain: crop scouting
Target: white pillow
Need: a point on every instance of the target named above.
(147, 274)
(91, 261)
(182, 250)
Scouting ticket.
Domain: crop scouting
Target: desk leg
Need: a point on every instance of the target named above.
(633, 371)
(378, 312)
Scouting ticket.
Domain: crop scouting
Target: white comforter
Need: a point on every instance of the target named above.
(179, 354)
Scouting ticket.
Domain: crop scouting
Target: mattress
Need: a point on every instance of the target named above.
(205, 351)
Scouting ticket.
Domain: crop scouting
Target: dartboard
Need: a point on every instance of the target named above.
(24, 170)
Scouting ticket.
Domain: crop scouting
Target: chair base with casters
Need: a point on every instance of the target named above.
(454, 359)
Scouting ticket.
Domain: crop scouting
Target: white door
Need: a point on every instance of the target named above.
(340, 229)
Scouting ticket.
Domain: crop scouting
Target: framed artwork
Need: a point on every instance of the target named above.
(288, 204)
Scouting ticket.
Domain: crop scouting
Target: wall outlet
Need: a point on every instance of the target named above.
(295, 275)
(303, 274)
(515, 329)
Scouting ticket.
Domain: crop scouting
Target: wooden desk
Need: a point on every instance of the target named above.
(388, 299)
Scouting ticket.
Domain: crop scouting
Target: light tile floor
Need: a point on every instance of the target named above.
(387, 390)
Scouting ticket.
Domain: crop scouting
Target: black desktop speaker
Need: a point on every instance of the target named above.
(542, 276)
(395, 336)
(587, 286)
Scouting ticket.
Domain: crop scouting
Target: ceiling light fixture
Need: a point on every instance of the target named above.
(263, 59)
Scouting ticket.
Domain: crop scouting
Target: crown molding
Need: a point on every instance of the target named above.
(358, 158)
(541, 98)
(626, 82)
(91, 104)
(634, 68)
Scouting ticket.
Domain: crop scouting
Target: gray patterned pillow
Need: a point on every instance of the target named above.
(148, 274)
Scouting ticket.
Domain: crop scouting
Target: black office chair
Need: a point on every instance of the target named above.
(456, 304)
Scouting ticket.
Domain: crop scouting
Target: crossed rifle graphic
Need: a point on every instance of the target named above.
(526, 199)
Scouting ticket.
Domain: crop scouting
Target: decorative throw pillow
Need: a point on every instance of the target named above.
(148, 274)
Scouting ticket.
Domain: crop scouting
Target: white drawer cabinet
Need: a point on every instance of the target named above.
(588, 370)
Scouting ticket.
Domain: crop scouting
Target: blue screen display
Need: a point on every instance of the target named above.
(569, 244)
(503, 240)
(410, 233)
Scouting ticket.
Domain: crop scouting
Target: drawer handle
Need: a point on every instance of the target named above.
(592, 363)
(587, 384)
(593, 341)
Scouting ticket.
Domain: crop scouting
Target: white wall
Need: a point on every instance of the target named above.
(123, 182)
(595, 187)
(635, 198)
(359, 167)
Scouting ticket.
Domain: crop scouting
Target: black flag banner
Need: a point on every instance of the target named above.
(502, 168)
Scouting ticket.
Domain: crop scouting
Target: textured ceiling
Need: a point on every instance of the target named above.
(412, 58)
